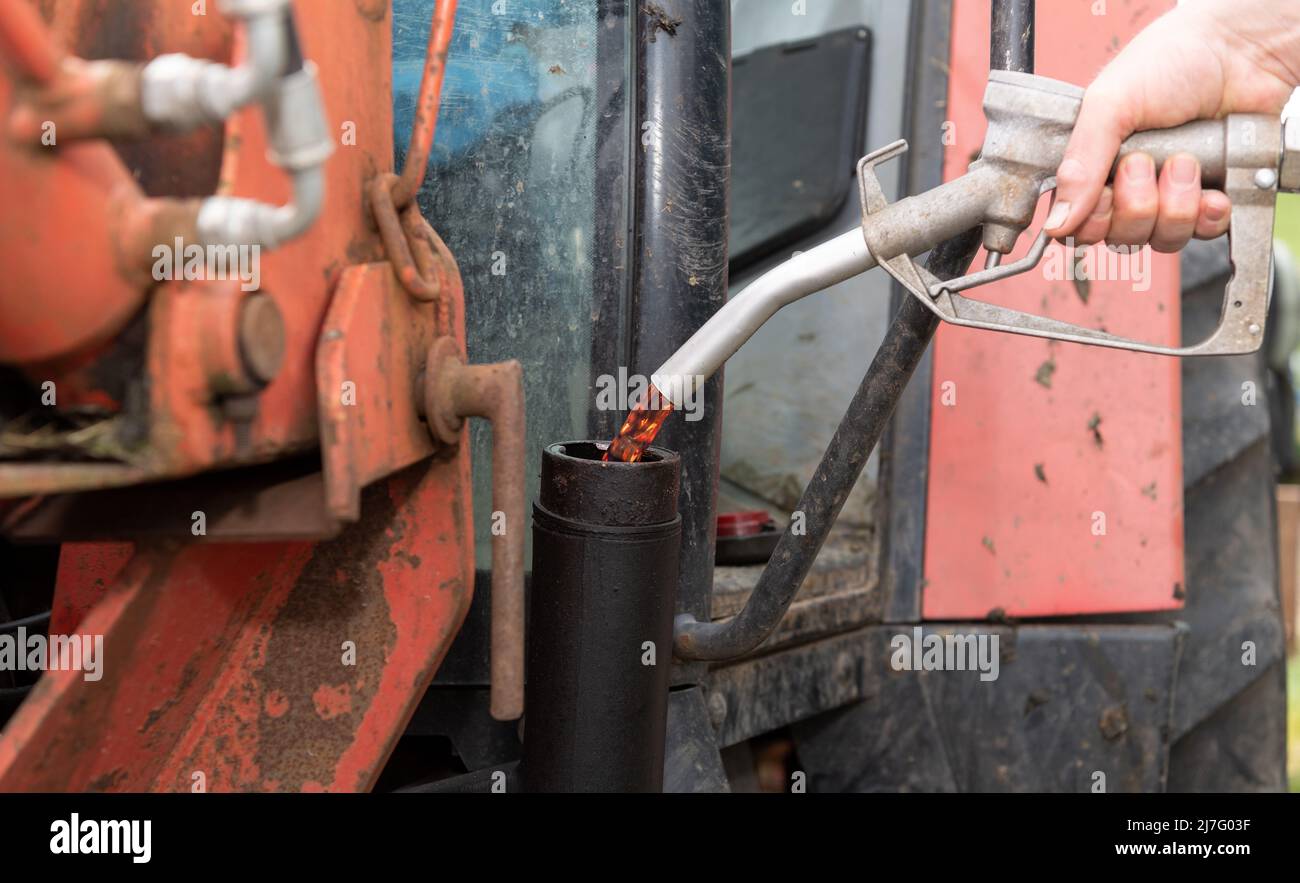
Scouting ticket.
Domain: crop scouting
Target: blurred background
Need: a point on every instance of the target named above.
(1288, 234)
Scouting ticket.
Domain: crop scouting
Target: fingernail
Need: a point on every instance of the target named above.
(1103, 204)
(1184, 169)
(1215, 212)
(1139, 167)
(1056, 217)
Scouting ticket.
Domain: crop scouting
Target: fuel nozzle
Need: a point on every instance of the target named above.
(1030, 119)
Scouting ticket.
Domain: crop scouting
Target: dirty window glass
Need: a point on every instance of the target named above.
(533, 98)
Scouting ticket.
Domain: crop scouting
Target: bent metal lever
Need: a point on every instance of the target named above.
(1030, 120)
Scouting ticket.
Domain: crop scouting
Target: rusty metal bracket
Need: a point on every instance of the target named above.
(368, 362)
(454, 391)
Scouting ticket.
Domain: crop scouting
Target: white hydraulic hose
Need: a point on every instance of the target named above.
(231, 220)
(180, 93)
(300, 143)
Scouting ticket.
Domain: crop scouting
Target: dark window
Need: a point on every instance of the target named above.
(797, 114)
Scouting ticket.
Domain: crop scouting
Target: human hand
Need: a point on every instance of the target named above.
(1202, 60)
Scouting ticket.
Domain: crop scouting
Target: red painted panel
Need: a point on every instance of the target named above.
(1037, 446)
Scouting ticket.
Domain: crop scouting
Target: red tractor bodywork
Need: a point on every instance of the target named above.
(1056, 479)
(292, 664)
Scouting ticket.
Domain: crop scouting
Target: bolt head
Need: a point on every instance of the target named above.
(717, 710)
(1290, 178)
(1265, 179)
(441, 366)
(261, 337)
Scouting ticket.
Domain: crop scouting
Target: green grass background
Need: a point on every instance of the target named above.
(1288, 230)
(1293, 721)
(1288, 220)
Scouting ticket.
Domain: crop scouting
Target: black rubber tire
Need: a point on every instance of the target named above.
(1229, 731)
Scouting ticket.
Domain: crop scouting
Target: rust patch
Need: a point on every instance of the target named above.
(999, 615)
(1043, 376)
(109, 781)
(372, 10)
(1094, 426)
(1113, 722)
(660, 20)
(314, 702)
(1082, 284)
(188, 674)
(1035, 699)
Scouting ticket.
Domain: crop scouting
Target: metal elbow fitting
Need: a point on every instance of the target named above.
(300, 144)
(179, 92)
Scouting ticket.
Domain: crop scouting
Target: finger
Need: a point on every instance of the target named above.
(1101, 127)
(1096, 225)
(1137, 201)
(1180, 203)
(1216, 212)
